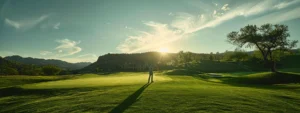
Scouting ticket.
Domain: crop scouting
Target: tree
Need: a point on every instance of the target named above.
(267, 39)
(239, 55)
(211, 57)
(8, 71)
(218, 56)
(184, 58)
(51, 70)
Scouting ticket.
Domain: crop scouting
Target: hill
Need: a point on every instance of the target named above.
(129, 62)
(8, 67)
(41, 62)
(194, 61)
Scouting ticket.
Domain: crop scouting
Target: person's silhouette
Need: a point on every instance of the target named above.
(150, 74)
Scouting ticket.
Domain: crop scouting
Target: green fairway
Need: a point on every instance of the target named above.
(128, 92)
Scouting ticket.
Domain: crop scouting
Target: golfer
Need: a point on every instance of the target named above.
(150, 74)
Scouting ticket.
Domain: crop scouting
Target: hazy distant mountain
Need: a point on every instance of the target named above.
(58, 63)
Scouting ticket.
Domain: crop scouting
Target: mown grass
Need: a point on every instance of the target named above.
(128, 92)
(15, 80)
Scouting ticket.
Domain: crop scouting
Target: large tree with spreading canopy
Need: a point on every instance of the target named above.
(267, 39)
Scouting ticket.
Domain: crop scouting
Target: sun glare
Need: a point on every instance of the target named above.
(163, 50)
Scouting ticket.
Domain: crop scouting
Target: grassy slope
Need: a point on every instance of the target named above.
(128, 93)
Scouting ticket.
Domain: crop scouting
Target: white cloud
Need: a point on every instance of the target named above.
(286, 4)
(147, 41)
(14, 24)
(225, 7)
(170, 14)
(67, 47)
(64, 52)
(257, 8)
(56, 26)
(25, 24)
(45, 52)
(216, 14)
(186, 24)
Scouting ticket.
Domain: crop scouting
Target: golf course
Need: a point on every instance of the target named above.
(130, 92)
(149, 56)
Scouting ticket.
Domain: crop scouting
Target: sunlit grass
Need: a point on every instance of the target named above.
(173, 94)
(97, 80)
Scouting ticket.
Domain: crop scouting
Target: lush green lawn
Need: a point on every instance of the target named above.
(128, 92)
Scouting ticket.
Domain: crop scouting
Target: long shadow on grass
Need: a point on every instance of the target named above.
(129, 100)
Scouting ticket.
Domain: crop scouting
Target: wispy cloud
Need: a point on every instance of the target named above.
(286, 4)
(246, 10)
(215, 12)
(26, 23)
(12, 23)
(45, 52)
(67, 47)
(184, 21)
(225, 7)
(160, 34)
(66, 51)
(182, 26)
(185, 24)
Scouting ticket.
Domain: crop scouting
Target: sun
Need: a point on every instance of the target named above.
(163, 50)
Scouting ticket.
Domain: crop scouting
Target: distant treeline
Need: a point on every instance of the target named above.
(163, 61)
(159, 61)
(8, 67)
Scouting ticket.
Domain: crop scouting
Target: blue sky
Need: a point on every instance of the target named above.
(82, 30)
